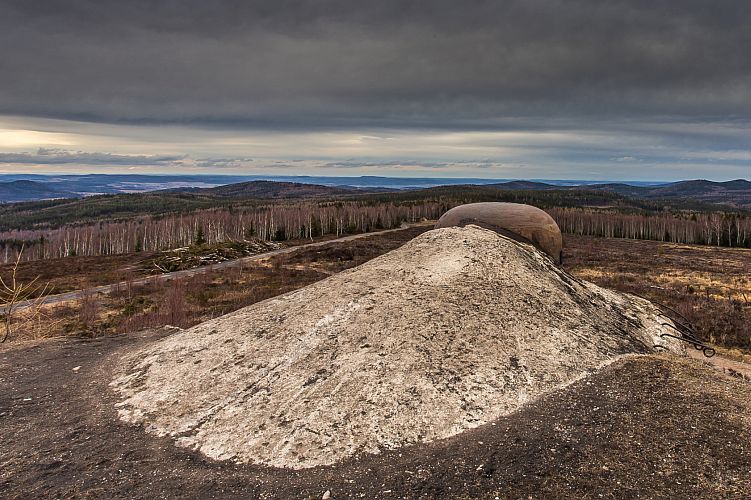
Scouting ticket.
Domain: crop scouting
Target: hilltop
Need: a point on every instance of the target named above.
(449, 332)
(644, 425)
(272, 190)
(735, 193)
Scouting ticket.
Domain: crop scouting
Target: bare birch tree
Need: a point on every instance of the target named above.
(15, 294)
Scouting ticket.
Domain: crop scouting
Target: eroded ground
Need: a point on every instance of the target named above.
(650, 426)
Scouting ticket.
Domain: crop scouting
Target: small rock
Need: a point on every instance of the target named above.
(326, 495)
(76, 368)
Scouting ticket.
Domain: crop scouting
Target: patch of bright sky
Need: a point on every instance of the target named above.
(626, 151)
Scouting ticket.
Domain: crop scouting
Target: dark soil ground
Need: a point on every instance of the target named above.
(644, 427)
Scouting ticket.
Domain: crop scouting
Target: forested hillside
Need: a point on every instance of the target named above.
(23, 190)
(115, 224)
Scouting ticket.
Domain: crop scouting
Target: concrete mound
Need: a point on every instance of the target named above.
(519, 222)
(450, 331)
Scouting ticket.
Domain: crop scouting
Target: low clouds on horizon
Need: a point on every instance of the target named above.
(45, 156)
(679, 70)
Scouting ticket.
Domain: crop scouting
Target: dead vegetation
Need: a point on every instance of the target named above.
(134, 306)
(711, 286)
(79, 272)
(14, 292)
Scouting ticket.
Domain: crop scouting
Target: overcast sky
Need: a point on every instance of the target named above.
(577, 89)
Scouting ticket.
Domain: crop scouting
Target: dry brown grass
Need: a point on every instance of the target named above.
(133, 307)
(711, 286)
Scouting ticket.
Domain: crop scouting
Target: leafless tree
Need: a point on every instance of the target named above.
(289, 221)
(14, 295)
(307, 219)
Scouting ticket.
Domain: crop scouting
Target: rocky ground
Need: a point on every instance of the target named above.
(648, 426)
(643, 425)
(450, 331)
(179, 259)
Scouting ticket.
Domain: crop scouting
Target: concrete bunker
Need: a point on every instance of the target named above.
(519, 222)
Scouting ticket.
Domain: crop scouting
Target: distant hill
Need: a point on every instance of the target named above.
(702, 188)
(197, 191)
(527, 185)
(14, 191)
(733, 193)
(272, 190)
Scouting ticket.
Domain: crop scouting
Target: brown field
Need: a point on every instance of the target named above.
(76, 273)
(711, 286)
(190, 300)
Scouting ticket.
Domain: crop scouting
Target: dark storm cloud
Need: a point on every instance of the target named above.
(346, 63)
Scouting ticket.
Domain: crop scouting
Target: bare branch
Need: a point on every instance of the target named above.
(15, 293)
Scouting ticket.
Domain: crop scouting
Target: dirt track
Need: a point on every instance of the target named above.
(649, 426)
(76, 294)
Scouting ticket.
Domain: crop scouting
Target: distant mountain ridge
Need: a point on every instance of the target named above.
(23, 190)
(735, 193)
(271, 190)
(89, 184)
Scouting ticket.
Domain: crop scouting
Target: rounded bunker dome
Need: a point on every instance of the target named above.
(514, 220)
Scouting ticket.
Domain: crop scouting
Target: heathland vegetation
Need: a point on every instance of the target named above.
(673, 252)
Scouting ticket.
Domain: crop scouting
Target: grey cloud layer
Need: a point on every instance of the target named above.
(345, 63)
(46, 156)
